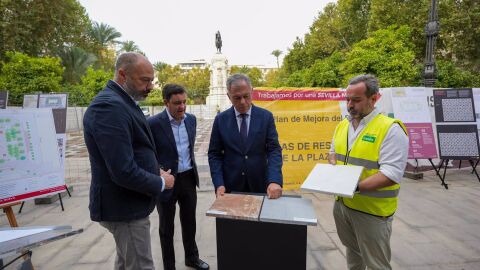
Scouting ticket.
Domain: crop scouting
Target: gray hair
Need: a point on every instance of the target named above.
(371, 83)
(126, 61)
(237, 77)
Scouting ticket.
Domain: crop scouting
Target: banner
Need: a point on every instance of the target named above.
(305, 121)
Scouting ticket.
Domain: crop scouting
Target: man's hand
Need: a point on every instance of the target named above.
(274, 191)
(169, 179)
(332, 159)
(220, 191)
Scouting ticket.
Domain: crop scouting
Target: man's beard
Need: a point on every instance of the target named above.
(134, 94)
(356, 114)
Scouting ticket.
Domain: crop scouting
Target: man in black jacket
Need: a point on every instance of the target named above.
(174, 133)
(126, 179)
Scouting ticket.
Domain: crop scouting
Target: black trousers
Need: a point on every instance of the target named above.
(185, 193)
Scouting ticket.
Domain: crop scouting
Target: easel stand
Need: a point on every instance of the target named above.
(444, 163)
(7, 209)
(59, 197)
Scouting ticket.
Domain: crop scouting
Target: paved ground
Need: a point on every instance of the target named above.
(433, 228)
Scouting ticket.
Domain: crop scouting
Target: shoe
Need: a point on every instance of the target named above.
(197, 264)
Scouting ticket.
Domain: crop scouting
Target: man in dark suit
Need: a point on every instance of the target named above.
(174, 134)
(244, 153)
(126, 180)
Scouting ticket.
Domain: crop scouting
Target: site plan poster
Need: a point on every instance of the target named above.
(29, 163)
(411, 107)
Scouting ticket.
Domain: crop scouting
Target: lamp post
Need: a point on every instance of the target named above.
(431, 31)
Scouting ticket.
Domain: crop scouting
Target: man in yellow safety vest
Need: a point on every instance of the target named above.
(379, 144)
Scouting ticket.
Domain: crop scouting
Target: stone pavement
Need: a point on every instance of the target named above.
(433, 228)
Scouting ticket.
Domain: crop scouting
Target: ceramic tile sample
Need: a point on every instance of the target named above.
(237, 206)
(333, 179)
(288, 210)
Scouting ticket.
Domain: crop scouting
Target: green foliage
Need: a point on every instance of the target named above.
(298, 78)
(155, 98)
(130, 46)
(104, 38)
(275, 78)
(93, 82)
(296, 59)
(196, 81)
(254, 73)
(22, 74)
(76, 61)
(39, 28)
(326, 72)
(387, 54)
(277, 54)
(340, 26)
(414, 13)
(460, 33)
(450, 75)
(337, 28)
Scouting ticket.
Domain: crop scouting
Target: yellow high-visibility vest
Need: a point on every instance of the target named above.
(365, 152)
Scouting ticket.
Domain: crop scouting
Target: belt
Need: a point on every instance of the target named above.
(185, 173)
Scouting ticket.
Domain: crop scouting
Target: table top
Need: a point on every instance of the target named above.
(237, 206)
(286, 209)
(20, 239)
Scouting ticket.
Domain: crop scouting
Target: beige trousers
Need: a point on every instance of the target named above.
(366, 237)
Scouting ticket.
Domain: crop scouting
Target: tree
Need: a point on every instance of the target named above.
(460, 33)
(76, 61)
(450, 75)
(296, 59)
(337, 28)
(387, 53)
(159, 65)
(104, 39)
(39, 28)
(129, 46)
(169, 74)
(197, 83)
(22, 74)
(93, 82)
(254, 73)
(298, 79)
(277, 54)
(326, 72)
(275, 78)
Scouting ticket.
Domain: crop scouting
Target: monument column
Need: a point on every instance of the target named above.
(217, 98)
(218, 82)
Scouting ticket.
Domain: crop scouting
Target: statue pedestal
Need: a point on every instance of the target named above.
(217, 98)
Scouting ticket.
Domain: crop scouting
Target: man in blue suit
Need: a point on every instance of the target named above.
(126, 180)
(244, 153)
(174, 134)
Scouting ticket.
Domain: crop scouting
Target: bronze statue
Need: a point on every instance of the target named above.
(218, 42)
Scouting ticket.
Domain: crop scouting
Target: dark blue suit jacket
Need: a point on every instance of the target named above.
(125, 173)
(167, 148)
(256, 163)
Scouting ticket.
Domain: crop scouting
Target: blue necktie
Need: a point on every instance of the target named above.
(243, 127)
